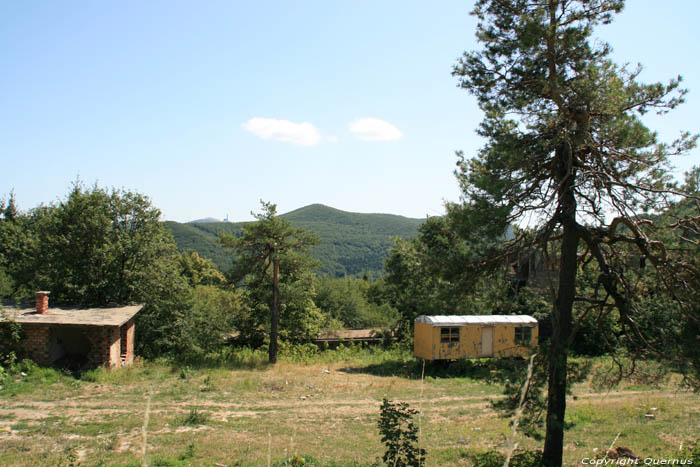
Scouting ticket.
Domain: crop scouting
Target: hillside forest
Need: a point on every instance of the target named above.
(350, 244)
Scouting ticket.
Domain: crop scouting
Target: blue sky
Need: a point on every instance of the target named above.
(208, 107)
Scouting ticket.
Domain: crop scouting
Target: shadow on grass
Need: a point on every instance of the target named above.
(230, 359)
(492, 370)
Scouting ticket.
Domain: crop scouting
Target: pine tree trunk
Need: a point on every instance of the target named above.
(561, 314)
(274, 322)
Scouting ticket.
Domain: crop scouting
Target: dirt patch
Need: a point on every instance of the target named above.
(21, 413)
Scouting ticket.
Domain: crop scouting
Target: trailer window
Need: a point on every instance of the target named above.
(449, 334)
(523, 335)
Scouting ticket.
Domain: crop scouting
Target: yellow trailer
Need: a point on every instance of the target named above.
(474, 336)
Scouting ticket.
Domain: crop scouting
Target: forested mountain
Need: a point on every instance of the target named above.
(350, 243)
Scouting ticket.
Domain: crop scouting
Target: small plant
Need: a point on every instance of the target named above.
(185, 372)
(207, 384)
(188, 453)
(400, 435)
(194, 418)
(520, 458)
(71, 458)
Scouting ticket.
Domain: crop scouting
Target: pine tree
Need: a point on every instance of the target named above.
(566, 154)
(267, 249)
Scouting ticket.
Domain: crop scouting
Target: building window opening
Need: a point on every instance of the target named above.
(449, 335)
(523, 335)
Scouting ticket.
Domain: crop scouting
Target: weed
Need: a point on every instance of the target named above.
(496, 459)
(188, 453)
(207, 384)
(185, 372)
(310, 461)
(242, 358)
(193, 418)
(70, 458)
(299, 353)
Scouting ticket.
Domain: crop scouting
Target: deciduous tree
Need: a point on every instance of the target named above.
(100, 247)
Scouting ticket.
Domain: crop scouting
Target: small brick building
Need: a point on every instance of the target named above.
(99, 336)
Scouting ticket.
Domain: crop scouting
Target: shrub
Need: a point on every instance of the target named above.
(10, 337)
(400, 435)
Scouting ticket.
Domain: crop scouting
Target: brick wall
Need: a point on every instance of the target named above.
(37, 343)
(127, 342)
(107, 344)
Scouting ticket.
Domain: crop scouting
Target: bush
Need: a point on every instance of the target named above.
(209, 320)
(400, 435)
(346, 300)
(10, 337)
(298, 353)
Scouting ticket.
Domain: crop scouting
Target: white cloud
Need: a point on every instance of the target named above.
(374, 129)
(303, 134)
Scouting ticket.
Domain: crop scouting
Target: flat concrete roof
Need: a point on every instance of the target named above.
(112, 316)
(350, 334)
(484, 320)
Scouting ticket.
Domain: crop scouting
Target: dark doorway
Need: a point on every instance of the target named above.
(70, 347)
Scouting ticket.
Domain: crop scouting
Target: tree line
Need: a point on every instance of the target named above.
(100, 247)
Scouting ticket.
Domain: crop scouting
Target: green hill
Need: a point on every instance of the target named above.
(350, 243)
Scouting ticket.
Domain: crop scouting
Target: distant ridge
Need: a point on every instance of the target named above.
(350, 243)
(204, 221)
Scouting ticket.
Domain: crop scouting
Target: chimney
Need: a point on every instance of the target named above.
(42, 302)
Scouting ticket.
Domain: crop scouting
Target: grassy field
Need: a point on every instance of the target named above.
(324, 407)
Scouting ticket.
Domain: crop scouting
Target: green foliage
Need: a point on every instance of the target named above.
(347, 300)
(184, 459)
(519, 459)
(6, 284)
(185, 372)
(400, 435)
(241, 357)
(193, 418)
(10, 338)
(351, 244)
(200, 271)
(210, 319)
(512, 374)
(566, 152)
(204, 240)
(694, 455)
(432, 274)
(311, 461)
(298, 353)
(100, 247)
(258, 245)
(188, 453)
(409, 287)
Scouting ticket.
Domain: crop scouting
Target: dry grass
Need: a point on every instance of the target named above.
(327, 410)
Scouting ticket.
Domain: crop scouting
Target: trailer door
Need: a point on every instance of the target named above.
(487, 342)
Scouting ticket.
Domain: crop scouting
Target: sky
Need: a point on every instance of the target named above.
(209, 107)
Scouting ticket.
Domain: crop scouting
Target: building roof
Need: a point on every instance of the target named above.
(484, 320)
(25, 313)
(351, 334)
